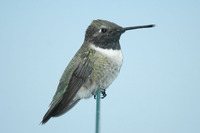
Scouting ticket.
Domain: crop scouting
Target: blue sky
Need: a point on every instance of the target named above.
(157, 90)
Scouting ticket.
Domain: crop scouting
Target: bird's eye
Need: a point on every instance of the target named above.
(103, 30)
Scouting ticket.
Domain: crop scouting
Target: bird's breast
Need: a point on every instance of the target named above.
(107, 65)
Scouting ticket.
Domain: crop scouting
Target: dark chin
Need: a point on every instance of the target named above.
(113, 45)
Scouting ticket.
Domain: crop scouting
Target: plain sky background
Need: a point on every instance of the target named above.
(157, 90)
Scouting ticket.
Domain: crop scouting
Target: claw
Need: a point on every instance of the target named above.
(103, 92)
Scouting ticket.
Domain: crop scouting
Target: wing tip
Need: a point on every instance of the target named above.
(45, 119)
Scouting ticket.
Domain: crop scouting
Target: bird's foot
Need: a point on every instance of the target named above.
(103, 93)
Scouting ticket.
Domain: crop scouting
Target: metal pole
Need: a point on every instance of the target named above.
(98, 109)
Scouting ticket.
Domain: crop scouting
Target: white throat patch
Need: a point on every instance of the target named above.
(115, 55)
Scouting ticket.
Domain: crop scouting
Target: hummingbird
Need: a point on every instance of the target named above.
(96, 64)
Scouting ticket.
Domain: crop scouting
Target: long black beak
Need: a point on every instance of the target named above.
(136, 27)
